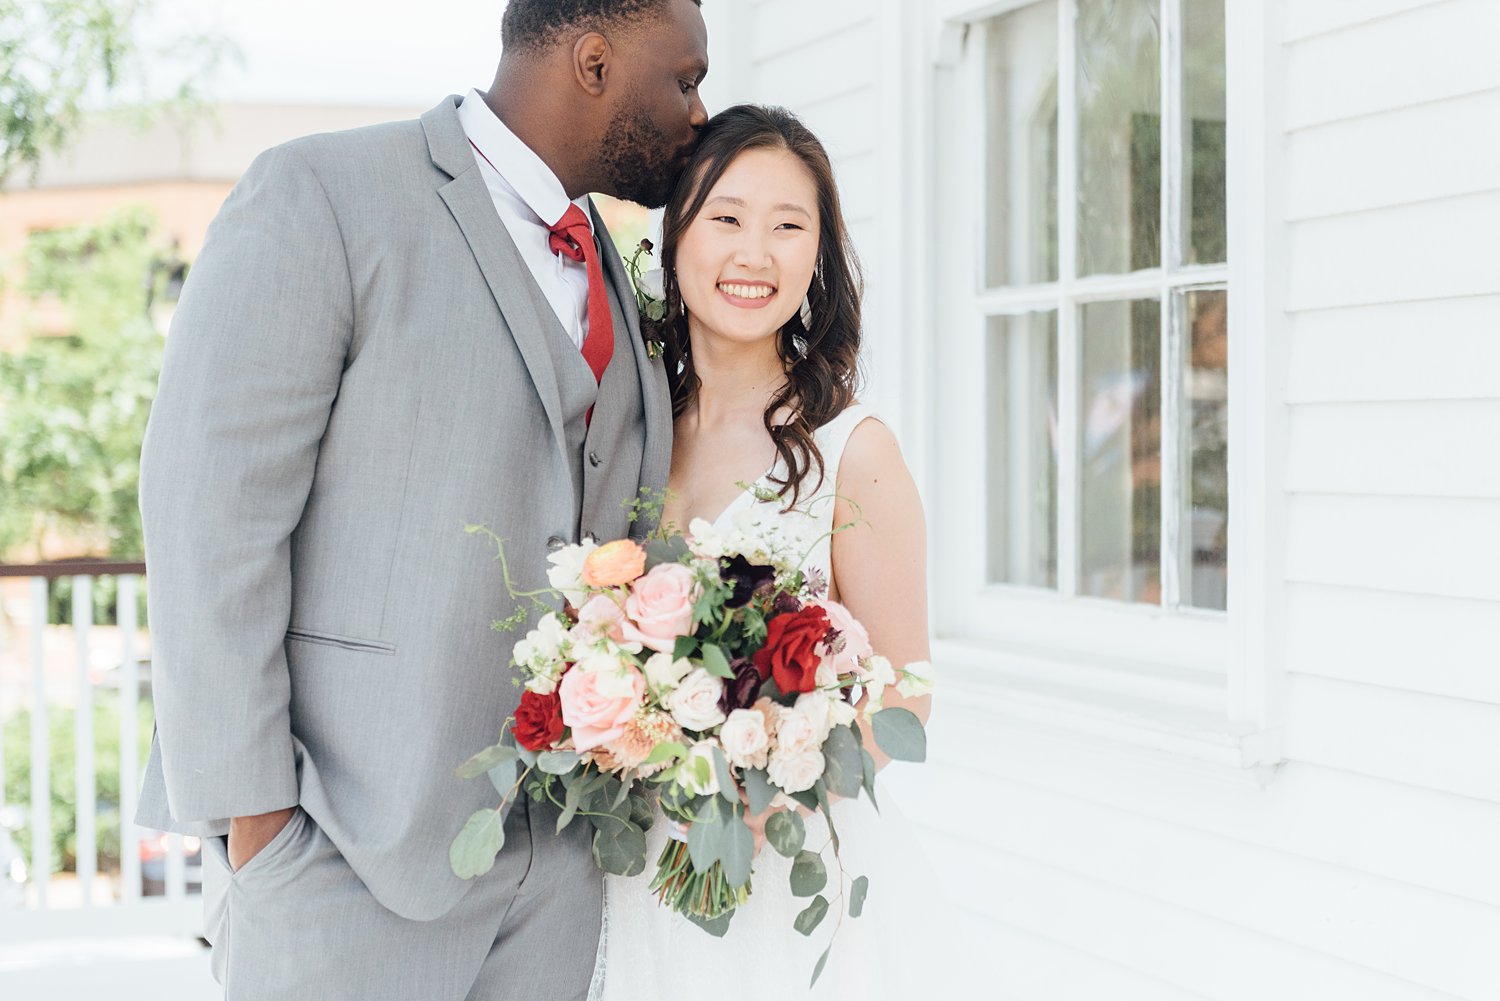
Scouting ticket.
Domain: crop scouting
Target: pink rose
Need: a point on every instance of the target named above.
(601, 616)
(852, 643)
(598, 717)
(661, 606)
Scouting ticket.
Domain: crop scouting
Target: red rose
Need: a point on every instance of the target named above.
(788, 655)
(539, 720)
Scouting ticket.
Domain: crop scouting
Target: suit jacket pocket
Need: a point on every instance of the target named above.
(353, 643)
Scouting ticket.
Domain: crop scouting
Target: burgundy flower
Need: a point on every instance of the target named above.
(741, 691)
(746, 577)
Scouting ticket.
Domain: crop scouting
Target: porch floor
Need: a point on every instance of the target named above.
(121, 969)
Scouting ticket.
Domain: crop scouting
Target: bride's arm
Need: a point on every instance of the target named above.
(880, 564)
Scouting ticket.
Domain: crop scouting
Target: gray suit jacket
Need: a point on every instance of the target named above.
(360, 366)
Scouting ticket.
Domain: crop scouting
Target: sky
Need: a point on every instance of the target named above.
(342, 51)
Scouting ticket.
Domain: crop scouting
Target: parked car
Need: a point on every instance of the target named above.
(154, 848)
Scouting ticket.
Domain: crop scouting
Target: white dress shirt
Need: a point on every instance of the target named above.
(529, 198)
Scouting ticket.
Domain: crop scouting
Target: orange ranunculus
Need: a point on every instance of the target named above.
(614, 563)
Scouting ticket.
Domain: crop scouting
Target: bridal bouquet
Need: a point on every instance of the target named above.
(711, 671)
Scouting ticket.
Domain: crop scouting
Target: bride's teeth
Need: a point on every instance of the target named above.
(747, 291)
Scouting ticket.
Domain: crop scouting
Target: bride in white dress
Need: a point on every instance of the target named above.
(762, 333)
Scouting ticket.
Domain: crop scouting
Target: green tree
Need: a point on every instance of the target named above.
(73, 408)
(59, 58)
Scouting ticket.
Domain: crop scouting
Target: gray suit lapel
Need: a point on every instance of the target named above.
(655, 393)
(468, 199)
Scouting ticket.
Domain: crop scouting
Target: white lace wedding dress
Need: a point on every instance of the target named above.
(648, 953)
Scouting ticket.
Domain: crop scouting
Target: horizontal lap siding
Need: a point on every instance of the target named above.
(1365, 868)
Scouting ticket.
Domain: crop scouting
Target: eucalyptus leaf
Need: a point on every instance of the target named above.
(786, 833)
(714, 926)
(557, 762)
(485, 760)
(670, 550)
(857, 893)
(822, 793)
(474, 849)
(503, 776)
(809, 874)
(811, 916)
(571, 802)
(527, 756)
(758, 789)
(845, 771)
(739, 850)
(727, 788)
(806, 798)
(708, 839)
(869, 778)
(818, 969)
(620, 849)
(899, 734)
(715, 663)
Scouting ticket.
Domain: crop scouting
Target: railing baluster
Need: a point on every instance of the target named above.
(41, 783)
(130, 856)
(83, 730)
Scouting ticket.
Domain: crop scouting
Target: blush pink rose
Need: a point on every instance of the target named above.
(661, 606)
(601, 616)
(595, 717)
(855, 641)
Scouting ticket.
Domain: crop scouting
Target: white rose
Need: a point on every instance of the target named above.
(879, 675)
(664, 672)
(818, 708)
(543, 683)
(695, 702)
(916, 679)
(745, 740)
(704, 540)
(796, 771)
(612, 674)
(566, 572)
(653, 283)
(690, 771)
(842, 713)
(796, 732)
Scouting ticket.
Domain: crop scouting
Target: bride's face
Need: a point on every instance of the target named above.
(746, 261)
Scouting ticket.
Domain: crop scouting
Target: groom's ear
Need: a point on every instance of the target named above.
(591, 58)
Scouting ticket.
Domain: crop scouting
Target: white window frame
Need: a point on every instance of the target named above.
(1201, 684)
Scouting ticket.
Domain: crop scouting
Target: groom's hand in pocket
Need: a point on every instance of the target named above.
(248, 835)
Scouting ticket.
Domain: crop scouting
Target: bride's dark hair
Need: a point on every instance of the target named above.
(821, 361)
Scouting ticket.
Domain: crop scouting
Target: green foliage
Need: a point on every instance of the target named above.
(62, 762)
(73, 408)
(59, 56)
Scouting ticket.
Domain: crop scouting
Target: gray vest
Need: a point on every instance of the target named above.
(604, 456)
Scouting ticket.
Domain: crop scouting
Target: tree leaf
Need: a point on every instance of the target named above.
(685, 646)
(715, 663)
(485, 760)
(845, 771)
(714, 926)
(503, 776)
(857, 892)
(739, 850)
(473, 851)
(665, 751)
(899, 734)
(706, 837)
(811, 916)
(557, 762)
(809, 874)
(727, 788)
(786, 833)
(571, 802)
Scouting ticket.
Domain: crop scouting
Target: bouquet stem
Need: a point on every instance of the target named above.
(687, 891)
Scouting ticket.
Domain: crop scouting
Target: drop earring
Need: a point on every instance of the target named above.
(806, 313)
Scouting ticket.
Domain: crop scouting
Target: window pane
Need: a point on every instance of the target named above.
(1021, 362)
(1120, 451)
(1021, 153)
(1203, 119)
(1119, 136)
(1207, 525)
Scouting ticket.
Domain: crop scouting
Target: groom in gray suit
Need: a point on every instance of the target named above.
(389, 334)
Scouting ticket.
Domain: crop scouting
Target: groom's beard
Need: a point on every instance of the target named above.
(639, 160)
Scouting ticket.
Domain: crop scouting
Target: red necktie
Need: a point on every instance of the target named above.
(574, 237)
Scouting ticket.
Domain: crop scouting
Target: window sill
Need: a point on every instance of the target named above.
(1161, 711)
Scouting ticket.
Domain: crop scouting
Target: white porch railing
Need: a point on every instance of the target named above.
(46, 668)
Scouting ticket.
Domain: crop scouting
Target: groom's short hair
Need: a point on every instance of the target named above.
(535, 24)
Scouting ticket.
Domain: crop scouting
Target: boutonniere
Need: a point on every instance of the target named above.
(650, 299)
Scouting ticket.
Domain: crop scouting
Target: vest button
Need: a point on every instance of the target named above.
(594, 459)
(555, 543)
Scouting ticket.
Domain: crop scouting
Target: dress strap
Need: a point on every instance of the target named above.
(834, 436)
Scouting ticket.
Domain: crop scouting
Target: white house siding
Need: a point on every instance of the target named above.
(1365, 866)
